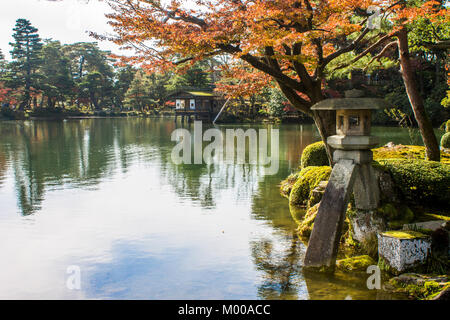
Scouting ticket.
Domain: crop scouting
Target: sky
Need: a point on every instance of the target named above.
(66, 21)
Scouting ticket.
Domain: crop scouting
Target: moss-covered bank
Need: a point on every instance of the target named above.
(420, 191)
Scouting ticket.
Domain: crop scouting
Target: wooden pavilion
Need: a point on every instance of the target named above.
(196, 105)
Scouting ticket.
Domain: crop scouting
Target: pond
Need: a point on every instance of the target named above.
(103, 196)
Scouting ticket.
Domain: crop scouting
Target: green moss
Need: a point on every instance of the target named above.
(287, 184)
(359, 263)
(314, 155)
(308, 179)
(432, 216)
(424, 290)
(396, 214)
(405, 152)
(445, 140)
(388, 211)
(307, 223)
(297, 214)
(404, 234)
(420, 182)
(369, 245)
(384, 266)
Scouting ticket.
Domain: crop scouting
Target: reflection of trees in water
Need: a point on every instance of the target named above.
(269, 205)
(48, 154)
(203, 184)
(280, 264)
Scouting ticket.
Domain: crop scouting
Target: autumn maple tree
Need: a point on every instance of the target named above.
(292, 41)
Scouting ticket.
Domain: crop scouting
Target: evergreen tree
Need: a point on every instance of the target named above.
(92, 73)
(123, 78)
(26, 58)
(137, 95)
(3, 65)
(195, 77)
(56, 82)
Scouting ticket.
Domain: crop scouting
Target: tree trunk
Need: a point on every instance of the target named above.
(326, 124)
(415, 99)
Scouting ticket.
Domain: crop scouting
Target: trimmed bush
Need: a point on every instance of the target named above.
(420, 182)
(308, 179)
(315, 155)
(445, 140)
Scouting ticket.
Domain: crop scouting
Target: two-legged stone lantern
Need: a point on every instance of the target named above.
(352, 172)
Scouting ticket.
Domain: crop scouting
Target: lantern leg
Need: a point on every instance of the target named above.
(366, 190)
(324, 241)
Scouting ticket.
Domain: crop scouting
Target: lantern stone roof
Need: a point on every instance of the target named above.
(354, 100)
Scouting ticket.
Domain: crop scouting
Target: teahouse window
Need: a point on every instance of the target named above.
(179, 104)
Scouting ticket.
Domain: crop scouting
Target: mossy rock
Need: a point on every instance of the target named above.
(445, 140)
(315, 155)
(420, 182)
(287, 184)
(307, 223)
(297, 214)
(308, 179)
(418, 286)
(359, 263)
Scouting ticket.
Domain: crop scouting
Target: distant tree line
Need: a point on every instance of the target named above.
(47, 75)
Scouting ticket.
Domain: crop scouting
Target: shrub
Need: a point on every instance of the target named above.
(420, 182)
(315, 155)
(308, 179)
(445, 140)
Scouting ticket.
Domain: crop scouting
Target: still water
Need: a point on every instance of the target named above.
(104, 196)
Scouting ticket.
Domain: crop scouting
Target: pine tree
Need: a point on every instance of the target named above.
(26, 57)
(56, 83)
(3, 65)
(137, 96)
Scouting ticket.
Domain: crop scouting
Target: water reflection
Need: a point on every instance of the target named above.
(103, 194)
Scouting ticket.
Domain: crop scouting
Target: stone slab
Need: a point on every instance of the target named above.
(429, 225)
(403, 252)
(366, 189)
(324, 241)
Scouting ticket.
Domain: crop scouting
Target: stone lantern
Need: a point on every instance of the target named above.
(353, 117)
(352, 173)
